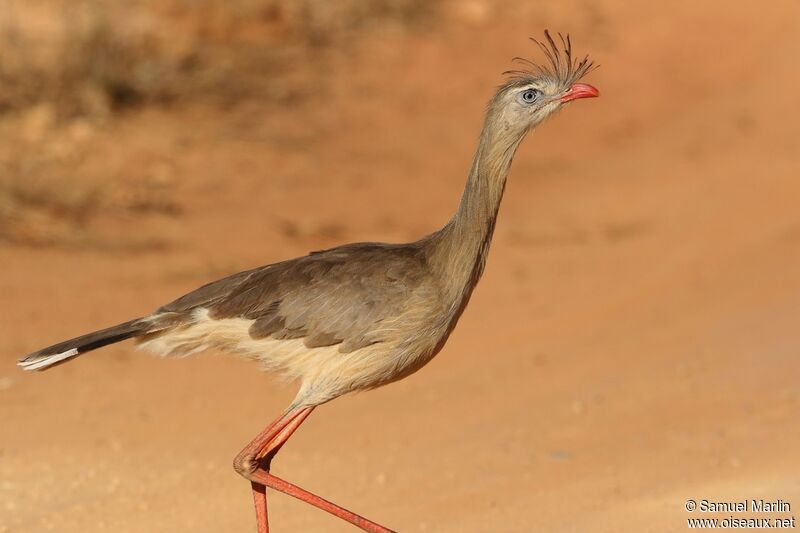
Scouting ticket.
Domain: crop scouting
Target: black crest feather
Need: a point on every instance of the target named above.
(560, 65)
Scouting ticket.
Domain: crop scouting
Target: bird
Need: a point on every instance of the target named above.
(357, 316)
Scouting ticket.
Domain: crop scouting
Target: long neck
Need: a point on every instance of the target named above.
(458, 251)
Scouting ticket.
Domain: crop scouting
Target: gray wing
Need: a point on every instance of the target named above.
(337, 296)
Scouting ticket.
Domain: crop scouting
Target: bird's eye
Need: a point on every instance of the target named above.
(528, 96)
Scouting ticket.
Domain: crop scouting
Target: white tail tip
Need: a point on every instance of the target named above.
(44, 361)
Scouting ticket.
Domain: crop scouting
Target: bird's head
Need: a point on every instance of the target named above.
(535, 91)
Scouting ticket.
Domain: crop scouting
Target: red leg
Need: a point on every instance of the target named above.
(291, 489)
(260, 501)
(247, 460)
(259, 453)
(254, 462)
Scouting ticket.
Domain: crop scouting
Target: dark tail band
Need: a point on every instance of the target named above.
(62, 351)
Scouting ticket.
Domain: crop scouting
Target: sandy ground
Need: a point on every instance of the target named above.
(633, 344)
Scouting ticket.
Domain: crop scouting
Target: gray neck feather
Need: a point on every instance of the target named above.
(457, 252)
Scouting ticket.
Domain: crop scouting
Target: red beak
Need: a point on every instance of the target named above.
(579, 90)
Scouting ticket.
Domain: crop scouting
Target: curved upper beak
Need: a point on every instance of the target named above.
(579, 90)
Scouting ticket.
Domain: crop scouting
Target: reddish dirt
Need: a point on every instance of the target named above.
(633, 344)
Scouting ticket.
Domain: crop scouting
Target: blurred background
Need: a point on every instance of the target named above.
(634, 342)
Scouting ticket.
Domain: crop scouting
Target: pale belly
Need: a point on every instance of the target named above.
(323, 372)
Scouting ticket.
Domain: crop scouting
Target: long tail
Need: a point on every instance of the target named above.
(62, 351)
